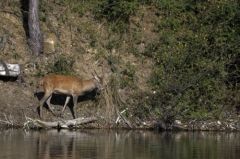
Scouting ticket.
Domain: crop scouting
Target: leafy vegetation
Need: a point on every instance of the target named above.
(62, 65)
(197, 41)
(194, 47)
(195, 53)
(117, 12)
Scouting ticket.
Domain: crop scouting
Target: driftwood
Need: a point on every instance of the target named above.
(10, 70)
(120, 116)
(61, 124)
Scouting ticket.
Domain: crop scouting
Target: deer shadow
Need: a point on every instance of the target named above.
(59, 99)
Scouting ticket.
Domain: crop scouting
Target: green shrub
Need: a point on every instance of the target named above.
(128, 76)
(62, 65)
(78, 6)
(117, 12)
(197, 41)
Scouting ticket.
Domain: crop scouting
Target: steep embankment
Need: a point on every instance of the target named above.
(73, 44)
(165, 63)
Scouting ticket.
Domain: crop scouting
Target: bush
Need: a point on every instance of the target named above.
(62, 65)
(117, 12)
(197, 41)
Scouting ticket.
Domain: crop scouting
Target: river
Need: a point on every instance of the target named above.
(118, 144)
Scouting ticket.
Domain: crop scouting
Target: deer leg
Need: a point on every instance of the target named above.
(49, 105)
(66, 102)
(42, 101)
(75, 98)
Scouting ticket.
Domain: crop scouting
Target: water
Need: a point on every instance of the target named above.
(109, 144)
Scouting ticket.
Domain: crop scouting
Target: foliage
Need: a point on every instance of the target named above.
(197, 41)
(127, 76)
(62, 65)
(117, 12)
(195, 51)
(78, 6)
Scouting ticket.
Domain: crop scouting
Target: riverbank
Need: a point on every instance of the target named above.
(18, 104)
(166, 65)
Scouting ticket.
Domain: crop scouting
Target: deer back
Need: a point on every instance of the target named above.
(61, 84)
(67, 84)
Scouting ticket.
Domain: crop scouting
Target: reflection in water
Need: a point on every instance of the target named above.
(107, 144)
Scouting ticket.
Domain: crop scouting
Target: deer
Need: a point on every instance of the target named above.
(69, 86)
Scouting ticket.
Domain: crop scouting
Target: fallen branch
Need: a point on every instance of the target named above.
(8, 120)
(120, 116)
(10, 70)
(61, 124)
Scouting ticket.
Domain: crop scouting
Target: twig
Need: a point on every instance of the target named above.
(121, 116)
(8, 120)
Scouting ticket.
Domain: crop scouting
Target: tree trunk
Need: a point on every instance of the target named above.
(35, 37)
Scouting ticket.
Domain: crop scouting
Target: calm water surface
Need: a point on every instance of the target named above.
(104, 144)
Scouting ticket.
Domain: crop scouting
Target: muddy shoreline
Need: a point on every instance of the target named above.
(213, 125)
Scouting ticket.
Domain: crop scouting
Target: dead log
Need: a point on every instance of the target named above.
(61, 124)
(10, 70)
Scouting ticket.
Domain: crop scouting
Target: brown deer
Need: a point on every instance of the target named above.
(68, 85)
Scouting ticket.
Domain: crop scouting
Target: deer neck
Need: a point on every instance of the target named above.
(88, 85)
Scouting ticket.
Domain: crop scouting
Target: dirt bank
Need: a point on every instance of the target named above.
(155, 74)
